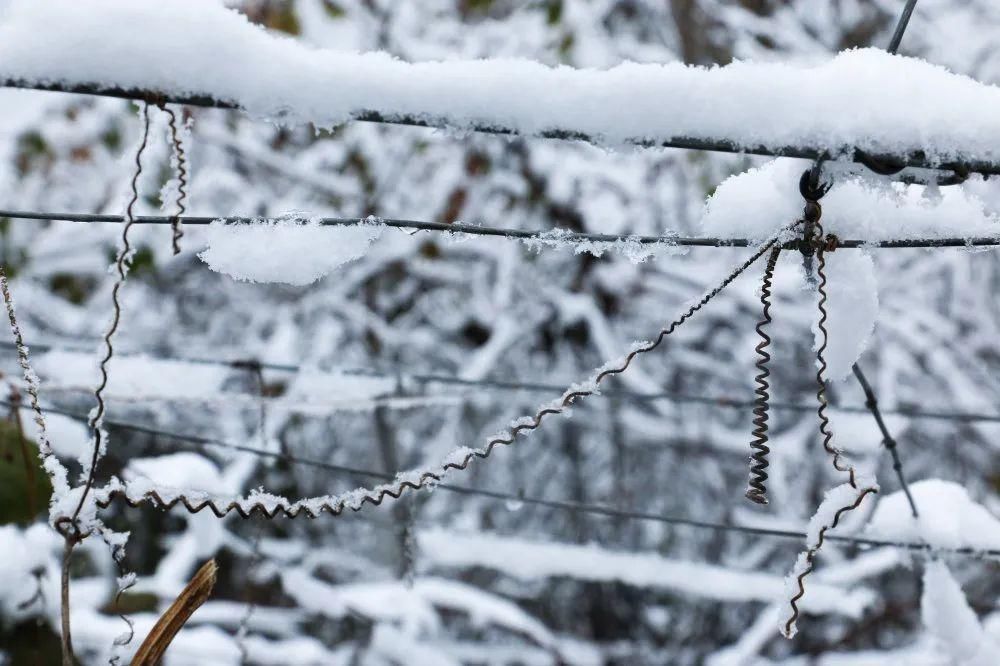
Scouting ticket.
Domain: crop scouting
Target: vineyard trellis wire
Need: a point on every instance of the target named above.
(876, 162)
(201, 443)
(567, 237)
(528, 385)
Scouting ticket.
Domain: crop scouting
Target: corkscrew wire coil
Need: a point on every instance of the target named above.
(757, 491)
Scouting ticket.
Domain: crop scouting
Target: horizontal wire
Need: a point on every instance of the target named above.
(528, 385)
(564, 505)
(521, 234)
(917, 158)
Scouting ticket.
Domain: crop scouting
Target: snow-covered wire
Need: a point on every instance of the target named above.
(559, 236)
(892, 162)
(202, 444)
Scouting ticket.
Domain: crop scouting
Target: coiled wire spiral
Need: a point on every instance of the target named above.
(357, 500)
(822, 244)
(757, 491)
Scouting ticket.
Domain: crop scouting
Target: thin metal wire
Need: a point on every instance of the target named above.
(811, 556)
(124, 583)
(821, 244)
(836, 454)
(375, 496)
(177, 231)
(871, 402)
(916, 158)
(121, 267)
(757, 491)
(200, 443)
(518, 234)
(904, 20)
(717, 401)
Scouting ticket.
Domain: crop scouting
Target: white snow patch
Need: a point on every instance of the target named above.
(952, 623)
(758, 202)
(289, 249)
(530, 560)
(949, 518)
(131, 376)
(312, 385)
(852, 309)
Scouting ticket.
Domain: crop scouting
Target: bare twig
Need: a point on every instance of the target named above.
(187, 602)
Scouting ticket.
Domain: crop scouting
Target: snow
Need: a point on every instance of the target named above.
(949, 518)
(834, 501)
(529, 560)
(631, 248)
(132, 376)
(852, 309)
(412, 608)
(862, 97)
(952, 623)
(291, 249)
(310, 384)
(68, 437)
(27, 552)
(758, 202)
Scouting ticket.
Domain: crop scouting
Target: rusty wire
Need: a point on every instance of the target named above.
(375, 496)
(68, 526)
(810, 556)
(124, 582)
(757, 491)
(177, 231)
(816, 242)
(122, 265)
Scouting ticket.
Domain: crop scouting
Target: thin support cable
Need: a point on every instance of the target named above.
(719, 401)
(871, 402)
(904, 20)
(122, 265)
(555, 236)
(203, 444)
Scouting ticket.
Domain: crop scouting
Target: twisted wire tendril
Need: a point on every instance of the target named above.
(375, 496)
(757, 491)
